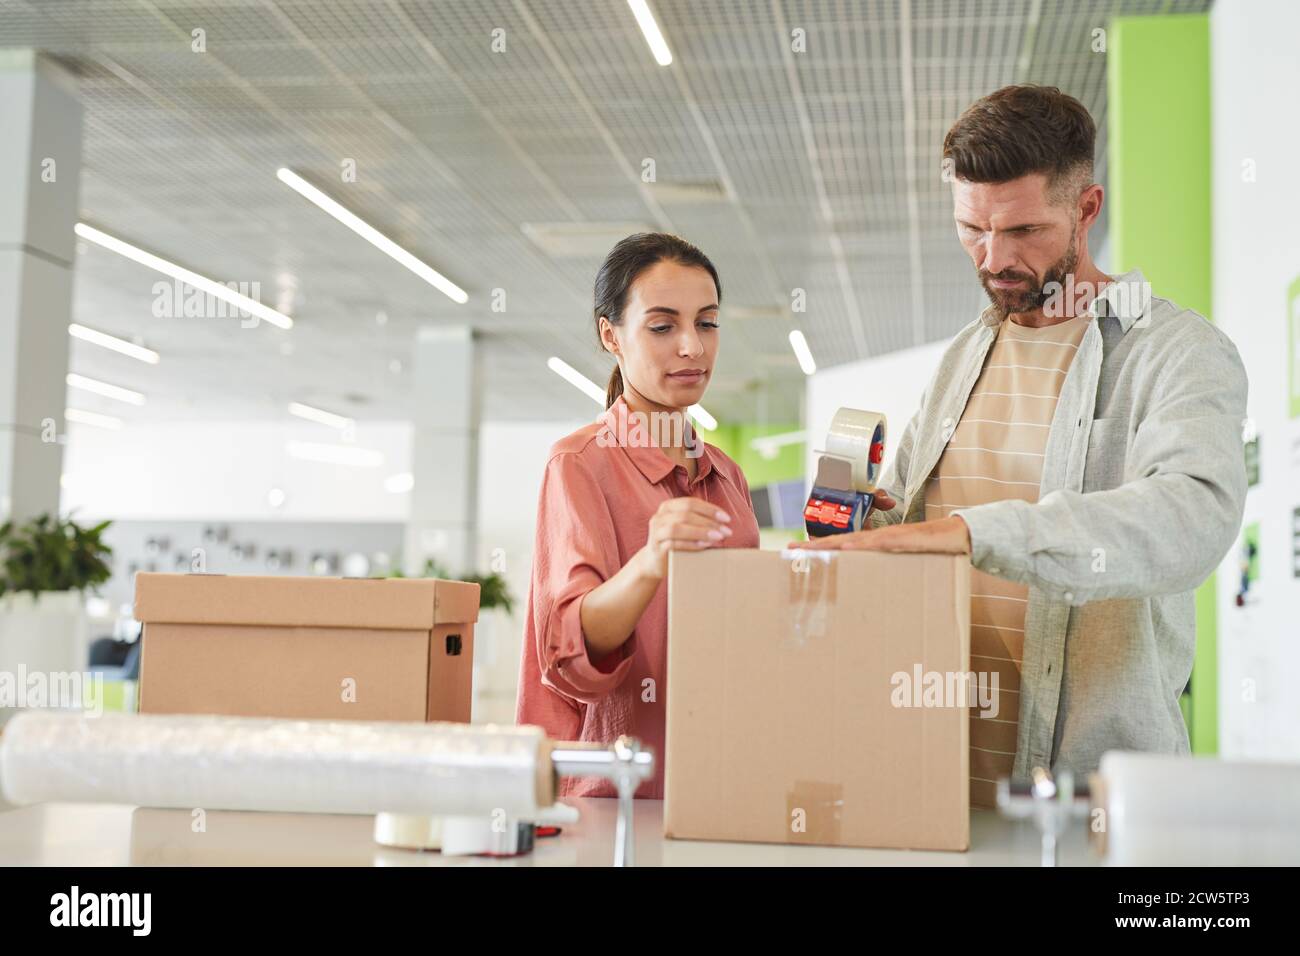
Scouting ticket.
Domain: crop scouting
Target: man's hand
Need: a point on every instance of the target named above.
(944, 536)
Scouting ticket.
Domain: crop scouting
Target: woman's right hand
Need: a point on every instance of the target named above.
(681, 524)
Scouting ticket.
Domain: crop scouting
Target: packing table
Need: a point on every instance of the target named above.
(64, 834)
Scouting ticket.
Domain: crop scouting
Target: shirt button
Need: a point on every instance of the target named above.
(995, 570)
(1069, 595)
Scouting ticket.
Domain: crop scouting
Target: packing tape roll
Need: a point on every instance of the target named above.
(1191, 811)
(850, 437)
(294, 766)
(408, 831)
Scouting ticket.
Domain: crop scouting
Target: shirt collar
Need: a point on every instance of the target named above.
(649, 460)
(1127, 298)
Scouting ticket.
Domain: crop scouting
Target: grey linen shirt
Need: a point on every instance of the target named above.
(1142, 493)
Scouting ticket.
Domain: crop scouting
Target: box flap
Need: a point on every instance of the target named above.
(455, 602)
(373, 603)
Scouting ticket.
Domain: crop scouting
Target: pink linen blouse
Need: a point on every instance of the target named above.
(596, 501)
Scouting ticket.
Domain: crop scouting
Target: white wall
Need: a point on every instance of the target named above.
(512, 457)
(224, 470)
(891, 384)
(1255, 76)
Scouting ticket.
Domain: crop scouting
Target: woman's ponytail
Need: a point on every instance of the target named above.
(615, 387)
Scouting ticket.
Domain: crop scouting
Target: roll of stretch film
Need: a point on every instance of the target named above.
(308, 766)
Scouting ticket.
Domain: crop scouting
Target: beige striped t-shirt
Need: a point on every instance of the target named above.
(996, 452)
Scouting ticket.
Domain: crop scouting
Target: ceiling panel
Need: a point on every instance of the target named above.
(815, 171)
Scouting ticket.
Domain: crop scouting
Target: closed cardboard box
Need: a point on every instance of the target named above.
(337, 648)
(792, 715)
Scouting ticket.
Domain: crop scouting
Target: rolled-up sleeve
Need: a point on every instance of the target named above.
(1162, 532)
(576, 551)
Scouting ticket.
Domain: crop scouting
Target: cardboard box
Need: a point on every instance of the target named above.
(256, 646)
(786, 721)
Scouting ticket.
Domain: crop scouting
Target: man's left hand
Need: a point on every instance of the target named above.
(944, 536)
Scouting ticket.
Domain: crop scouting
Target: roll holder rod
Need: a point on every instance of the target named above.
(626, 764)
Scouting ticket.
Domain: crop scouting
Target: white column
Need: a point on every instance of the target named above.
(40, 167)
(445, 411)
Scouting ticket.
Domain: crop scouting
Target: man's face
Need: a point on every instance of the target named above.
(1018, 239)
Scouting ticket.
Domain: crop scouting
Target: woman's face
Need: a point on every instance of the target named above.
(668, 341)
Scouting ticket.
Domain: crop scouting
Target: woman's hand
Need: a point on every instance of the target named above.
(680, 524)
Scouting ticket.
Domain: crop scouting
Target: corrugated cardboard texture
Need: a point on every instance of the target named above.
(296, 672)
(336, 648)
(375, 603)
(767, 719)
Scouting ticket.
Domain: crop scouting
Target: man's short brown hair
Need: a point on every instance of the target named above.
(1019, 130)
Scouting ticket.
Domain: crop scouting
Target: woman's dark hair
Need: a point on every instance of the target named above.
(625, 262)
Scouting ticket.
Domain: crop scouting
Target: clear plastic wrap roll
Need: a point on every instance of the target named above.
(297, 766)
(1163, 810)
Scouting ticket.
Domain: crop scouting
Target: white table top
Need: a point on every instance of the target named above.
(60, 834)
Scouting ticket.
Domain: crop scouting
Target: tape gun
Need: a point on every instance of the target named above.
(847, 472)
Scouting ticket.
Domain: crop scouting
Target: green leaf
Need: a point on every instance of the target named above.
(49, 554)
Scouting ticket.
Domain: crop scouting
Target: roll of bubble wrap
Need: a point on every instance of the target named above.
(297, 766)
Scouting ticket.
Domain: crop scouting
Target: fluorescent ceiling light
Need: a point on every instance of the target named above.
(103, 388)
(400, 483)
(113, 342)
(650, 29)
(372, 235)
(576, 379)
(92, 418)
(703, 418)
(335, 454)
(318, 415)
(802, 353)
(193, 279)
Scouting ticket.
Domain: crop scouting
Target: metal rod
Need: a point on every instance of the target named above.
(624, 763)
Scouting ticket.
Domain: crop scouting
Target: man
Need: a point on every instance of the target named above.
(1081, 440)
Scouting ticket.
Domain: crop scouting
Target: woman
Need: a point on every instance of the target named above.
(620, 494)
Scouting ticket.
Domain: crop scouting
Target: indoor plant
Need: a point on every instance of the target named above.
(52, 554)
(46, 565)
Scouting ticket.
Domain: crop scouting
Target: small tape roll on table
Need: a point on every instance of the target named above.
(293, 766)
(1168, 810)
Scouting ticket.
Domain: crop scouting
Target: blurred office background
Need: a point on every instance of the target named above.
(370, 417)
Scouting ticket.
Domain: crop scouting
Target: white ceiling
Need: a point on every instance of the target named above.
(817, 170)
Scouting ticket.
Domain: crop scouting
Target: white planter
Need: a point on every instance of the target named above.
(46, 634)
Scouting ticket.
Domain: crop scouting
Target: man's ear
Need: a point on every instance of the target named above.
(1090, 201)
(608, 338)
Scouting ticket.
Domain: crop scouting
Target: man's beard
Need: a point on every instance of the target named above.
(1035, 293)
